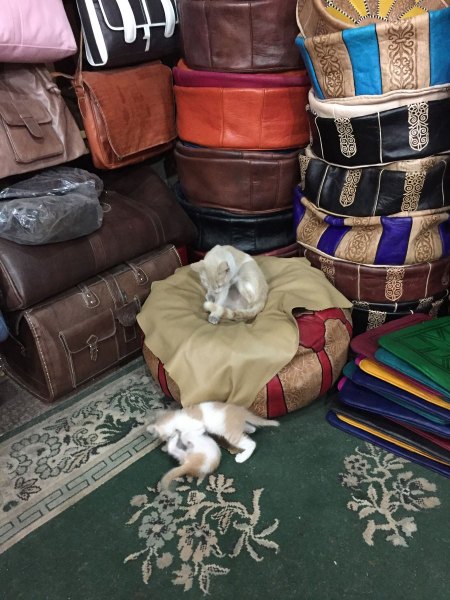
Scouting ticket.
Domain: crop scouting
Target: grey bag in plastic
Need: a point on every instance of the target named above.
(57, 205)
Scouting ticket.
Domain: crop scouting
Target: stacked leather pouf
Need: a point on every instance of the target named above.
(373, 205)
(241, 119)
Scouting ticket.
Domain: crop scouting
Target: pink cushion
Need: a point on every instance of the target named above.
(34, 31)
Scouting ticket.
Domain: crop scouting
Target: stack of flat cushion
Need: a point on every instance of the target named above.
(396, 393)
(372, 210)
(241, 96)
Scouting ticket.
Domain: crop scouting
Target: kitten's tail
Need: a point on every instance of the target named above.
(260, 421)
(173, 474)
(244, 313)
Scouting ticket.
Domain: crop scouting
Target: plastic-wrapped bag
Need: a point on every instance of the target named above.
(57, 205)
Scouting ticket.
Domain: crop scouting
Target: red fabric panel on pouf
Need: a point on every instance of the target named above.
(324, 338)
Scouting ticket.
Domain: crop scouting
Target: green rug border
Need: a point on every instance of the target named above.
(76, 396)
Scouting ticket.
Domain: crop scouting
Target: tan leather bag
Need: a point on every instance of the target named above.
(128, 114)
(37, 129)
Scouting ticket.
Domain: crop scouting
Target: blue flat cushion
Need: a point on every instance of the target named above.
(439, 46)
(334, 420)
(362, 398)
(395, 394)
(362, 47)
(309, 67)
(3, 329)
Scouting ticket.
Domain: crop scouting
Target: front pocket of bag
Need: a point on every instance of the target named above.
(90, 346)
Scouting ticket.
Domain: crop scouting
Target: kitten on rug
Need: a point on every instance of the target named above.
(228, 421)
(236, 288)
(198, 455)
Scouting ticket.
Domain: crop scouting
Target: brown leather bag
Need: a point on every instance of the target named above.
(59, 344)
(36, 127)
(128, 114)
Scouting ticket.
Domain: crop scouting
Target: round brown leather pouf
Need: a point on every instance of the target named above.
(322, 352)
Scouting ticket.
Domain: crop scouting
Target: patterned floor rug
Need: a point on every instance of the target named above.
(314, 514)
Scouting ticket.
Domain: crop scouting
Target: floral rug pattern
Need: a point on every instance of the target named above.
(54, 463)
(386, 491)
(198, 521)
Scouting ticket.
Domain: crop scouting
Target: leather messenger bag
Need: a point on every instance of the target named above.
(57, 345)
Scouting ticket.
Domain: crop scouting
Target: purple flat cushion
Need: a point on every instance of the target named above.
(334, 420)
(186, 77)
(364, 399)
(367, 343)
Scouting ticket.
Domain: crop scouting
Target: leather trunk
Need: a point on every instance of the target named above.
(57, 345)
(140, 215)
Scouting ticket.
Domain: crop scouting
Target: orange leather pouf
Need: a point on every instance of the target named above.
(321, 355)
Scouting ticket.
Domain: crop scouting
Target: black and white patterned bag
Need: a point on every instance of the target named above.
(119, 33)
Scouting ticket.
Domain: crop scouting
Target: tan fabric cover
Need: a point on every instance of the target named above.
(231, 361)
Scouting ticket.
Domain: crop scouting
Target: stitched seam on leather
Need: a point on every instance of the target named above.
(41, 354)
(12, 284)
(261, 118)
(251, 30)
(205, 12)
(277, 191)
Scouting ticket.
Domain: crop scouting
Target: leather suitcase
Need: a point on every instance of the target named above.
(140, 214)
(61, 343)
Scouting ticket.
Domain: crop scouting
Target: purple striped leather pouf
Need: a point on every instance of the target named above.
(321, 355)
(401, 239)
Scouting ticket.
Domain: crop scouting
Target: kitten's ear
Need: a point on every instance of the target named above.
(223, 267)
(197, 266)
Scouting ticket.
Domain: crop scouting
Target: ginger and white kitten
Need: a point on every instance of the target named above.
(236, 288)
(229, 421)
(198, 455)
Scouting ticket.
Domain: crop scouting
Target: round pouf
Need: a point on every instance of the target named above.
(321, 355)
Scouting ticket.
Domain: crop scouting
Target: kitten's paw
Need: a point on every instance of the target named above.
(241, 456)
(213, 319)
(208, 306)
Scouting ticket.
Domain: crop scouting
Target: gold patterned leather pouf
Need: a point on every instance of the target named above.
(321, 355)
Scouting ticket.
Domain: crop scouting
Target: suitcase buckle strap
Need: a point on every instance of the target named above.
(92, 342)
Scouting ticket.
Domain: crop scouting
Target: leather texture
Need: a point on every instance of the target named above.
(409, 132)
(37, 129)
(380, 58)
(237, 180)
(367, 315)
(425, 347)
(35, 32)
(185, 76)
(324, 337)
(254, 234)
(143, 30)
(395, 447)
(367, 342)
(128, 114)
(318, 17)
(383, 283)
(391, 361)
(239, 35)
(285, 252)
(140, 215)
(376, 190)
(401, 239)
(69, 339)
(392, 392)
(243, 118)
(363, 399)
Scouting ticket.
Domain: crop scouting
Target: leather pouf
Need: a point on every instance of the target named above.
(321, 355)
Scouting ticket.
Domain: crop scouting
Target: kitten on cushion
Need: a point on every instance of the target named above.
(229, 421)
(236, 288)
(198, 455)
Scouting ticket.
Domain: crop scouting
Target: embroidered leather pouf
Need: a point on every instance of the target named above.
(321, 355)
